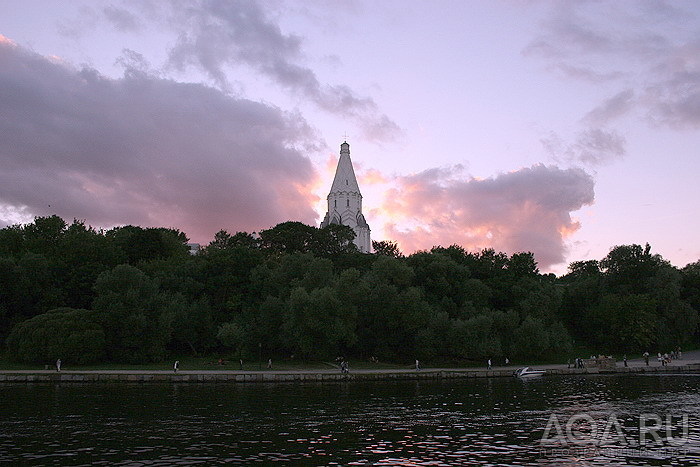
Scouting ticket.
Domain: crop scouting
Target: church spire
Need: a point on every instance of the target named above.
(345, 180)
(345, 201)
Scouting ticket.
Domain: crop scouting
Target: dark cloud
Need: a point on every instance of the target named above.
(90, 17)
(591, 147)
(585, 73)
(524, 210)
(566, 34)
(596, 146)
(145, 150)
(85, 20)
(651, 46)
(122, 19)
(133, 61)
(612, 108)
(675, 98)
(217, 33)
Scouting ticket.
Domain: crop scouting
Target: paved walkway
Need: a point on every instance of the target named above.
(688, 359)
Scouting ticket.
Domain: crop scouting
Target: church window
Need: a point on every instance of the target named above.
(346, 181)
(348, 202)
(335, 203)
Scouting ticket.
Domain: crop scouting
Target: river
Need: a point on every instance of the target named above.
(587, 420)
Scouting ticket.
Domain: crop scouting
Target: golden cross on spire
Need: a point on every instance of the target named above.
(345, 136)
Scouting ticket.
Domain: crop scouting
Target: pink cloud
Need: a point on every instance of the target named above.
(372, 177)
(524, 210)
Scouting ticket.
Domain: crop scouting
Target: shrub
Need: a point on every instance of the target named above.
(72, 335)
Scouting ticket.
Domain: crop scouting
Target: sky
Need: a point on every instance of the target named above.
(559, 128)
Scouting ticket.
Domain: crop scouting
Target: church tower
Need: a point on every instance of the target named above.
(345, 201)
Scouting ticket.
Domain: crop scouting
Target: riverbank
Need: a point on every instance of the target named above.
(214, 376)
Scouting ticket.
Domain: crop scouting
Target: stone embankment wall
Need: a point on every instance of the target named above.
(271, 377)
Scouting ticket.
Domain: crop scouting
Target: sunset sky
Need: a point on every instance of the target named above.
(561, 128)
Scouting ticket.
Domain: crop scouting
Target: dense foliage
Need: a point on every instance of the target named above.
(135, 294)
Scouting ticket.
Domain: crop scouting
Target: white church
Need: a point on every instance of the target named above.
(345, 202)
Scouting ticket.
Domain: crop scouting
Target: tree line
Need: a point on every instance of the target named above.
(133, 294)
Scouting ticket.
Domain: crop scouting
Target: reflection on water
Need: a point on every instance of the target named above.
(464, 422)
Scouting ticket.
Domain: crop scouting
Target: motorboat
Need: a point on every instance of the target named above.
(527, 372)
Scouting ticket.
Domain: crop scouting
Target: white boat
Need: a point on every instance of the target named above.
(526, 372)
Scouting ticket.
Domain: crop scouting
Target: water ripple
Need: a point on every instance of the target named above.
(496, 422)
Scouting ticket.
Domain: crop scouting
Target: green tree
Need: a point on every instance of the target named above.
(333, 240)
(535, 339)
(129, 306)
(522, 264)
(625, 323)
(43, 235)
(74, 336)
(583, 269)
(295, 237)
(690, 284)
(628, 268)
(189, 324)
(83, 254)
(582, 290)
(12, 241)
(317, 324)
(392, 313)
(226, 278)
(223, 240)
(139, 244)
(288, 237)
(475, 338)
(442, 280)
(386, 248)
(231, 335)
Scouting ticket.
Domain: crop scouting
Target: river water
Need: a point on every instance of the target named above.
(499, 421)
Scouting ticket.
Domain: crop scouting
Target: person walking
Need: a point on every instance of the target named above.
(417, 365)
(58, 365)
(176, 366)
(488, 367)
(624, 360)
(646, 358)
(269, 363)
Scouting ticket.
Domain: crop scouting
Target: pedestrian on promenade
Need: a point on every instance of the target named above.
(240, 361)
(269, 363)
(646, 358)
(176, 366)
(624, 359)
(417, 365)
(58, 365)
(507, 361)
(488, 367)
